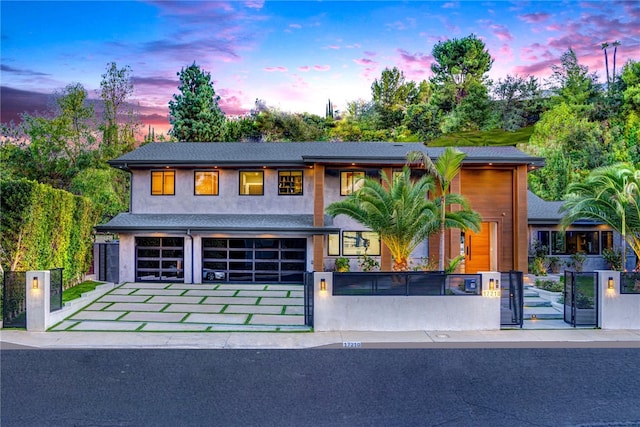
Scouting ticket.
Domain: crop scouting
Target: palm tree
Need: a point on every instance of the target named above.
(445, 169)
(610, 194)
(604, 47)
(397, 209)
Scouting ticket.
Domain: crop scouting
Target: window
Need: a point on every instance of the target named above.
(607, 240)
(290, 183)
(206, 183)
(572, 242)
(334, 244)
(350, 182)
(360, 242)
(163, 183)
(251, 183)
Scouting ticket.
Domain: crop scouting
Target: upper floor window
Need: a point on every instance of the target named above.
(251, 183)
(350, 182)
(290, 182)
(206, 183)
(163, 183)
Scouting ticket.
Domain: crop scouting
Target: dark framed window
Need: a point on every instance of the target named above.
(543, 241)
(290, 183)
(360, 243)
(163, 183)
(333, 247)
(606, 239)
(350, 181)
(575, 241)
(251, 183)
(205, 183)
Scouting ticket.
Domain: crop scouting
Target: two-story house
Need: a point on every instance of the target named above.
(255, 212)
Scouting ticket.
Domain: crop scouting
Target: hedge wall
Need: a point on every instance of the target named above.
(42, 228)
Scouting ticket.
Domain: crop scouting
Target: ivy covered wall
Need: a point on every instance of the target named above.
(42, 228)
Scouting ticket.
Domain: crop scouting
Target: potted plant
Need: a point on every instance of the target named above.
(342, 265)
(554, 264)
(577, 261)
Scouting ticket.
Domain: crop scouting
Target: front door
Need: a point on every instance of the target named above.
(481, 249)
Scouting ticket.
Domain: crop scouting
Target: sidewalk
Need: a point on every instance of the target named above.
(523, 338)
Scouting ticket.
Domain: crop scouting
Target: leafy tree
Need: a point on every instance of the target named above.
(120, 121)
(610, 194)
(194, 114)
(391, 96)
(444, 170)
(573, 83)
(518, 102)
(459, 62)
(397, 209)
(105, 187)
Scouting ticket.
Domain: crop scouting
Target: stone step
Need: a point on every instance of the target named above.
(542, 313)
(536, 302)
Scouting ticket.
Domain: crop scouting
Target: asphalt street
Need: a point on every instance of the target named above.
(321, 387)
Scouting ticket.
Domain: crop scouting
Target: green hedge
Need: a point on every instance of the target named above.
(43, 228)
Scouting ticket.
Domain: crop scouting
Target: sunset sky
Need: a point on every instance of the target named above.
(295, 55)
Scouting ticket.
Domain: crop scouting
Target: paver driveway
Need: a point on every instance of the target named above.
(175, 307)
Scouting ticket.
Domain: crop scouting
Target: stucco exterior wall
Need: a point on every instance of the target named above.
(402, 313)
(227, 201)
(617, 311)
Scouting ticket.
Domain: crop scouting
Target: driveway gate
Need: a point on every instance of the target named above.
(581, 302)
(511, 299)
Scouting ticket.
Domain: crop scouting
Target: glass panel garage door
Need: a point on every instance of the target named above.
(253, 260)
(159, 259)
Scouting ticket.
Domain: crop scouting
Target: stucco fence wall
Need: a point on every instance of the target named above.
(617, 311)
(404, 313)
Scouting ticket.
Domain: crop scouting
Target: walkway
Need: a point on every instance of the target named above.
(178, 307)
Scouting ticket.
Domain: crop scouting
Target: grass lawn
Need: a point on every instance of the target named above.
(76, 291)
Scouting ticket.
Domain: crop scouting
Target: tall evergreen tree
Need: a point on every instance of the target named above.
(194, 114)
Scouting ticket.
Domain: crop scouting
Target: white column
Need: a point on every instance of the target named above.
(38, 287)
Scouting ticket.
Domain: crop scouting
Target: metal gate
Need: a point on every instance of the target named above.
(512, 299)
(308, 299)
(581, 301)
(14, 299)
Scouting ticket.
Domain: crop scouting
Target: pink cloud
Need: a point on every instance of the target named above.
(322, 67)
(334, 47)
(534, 18)
(502, 33)
(369, 53)
(553, 27)
(304, 68)
(505, 53)
(364, 61)
(279, 69)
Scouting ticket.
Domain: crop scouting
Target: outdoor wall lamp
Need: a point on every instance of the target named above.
(610, 283)
(34, 283)
(323, 285)
(491, 284)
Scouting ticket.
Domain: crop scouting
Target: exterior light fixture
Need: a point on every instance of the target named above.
(491, 284)
(610, 283)
(34, 283)
(323, 285)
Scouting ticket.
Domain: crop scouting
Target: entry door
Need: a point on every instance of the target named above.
(481, 249)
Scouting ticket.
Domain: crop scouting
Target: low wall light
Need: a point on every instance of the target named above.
(491, 284)
(610, 283)
(323, 285)
(34, 283)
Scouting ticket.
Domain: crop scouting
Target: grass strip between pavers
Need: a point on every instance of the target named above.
(123, 314)
(246, 322)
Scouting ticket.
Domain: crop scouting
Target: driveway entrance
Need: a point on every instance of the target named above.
(174, 307)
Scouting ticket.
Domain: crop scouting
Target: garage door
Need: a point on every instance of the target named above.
(159, 259)
(253, 260)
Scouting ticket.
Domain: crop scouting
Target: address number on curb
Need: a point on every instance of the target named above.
(351, 344)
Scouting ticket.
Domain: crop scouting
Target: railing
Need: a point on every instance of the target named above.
(406, 283)
(308, 299)
(55, 292)
(14, 299)
(630, 283)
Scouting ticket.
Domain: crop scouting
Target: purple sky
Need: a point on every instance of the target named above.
(293, 54)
